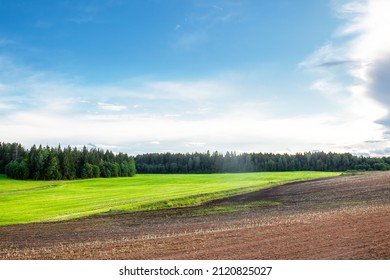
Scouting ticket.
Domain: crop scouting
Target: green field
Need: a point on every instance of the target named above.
(37, 201)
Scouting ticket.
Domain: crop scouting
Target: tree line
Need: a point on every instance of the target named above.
(46, 163)
(255, 162)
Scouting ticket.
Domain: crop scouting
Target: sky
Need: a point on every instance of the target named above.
(143, 76)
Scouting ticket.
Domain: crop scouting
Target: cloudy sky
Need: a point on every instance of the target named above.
(194, 75)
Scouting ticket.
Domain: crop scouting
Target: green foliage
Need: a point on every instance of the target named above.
(381, 166)
(52, 168)
(17, 170)
(258, 162)
(10, 152)
(95, 171)
(87, 171)
(127, 169)
(45, 163)
(109, 169)
(37, 201)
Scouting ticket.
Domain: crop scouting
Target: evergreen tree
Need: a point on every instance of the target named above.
(17, 170)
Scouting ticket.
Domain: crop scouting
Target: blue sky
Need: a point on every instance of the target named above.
(183, 76)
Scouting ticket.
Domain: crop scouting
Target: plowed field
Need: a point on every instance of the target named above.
(346, 217)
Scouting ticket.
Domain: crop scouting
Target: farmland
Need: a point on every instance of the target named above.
(342, 217)
(37, 201)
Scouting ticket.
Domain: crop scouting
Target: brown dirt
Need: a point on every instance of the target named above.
(346, 217)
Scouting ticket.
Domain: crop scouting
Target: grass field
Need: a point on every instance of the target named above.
(37, 201)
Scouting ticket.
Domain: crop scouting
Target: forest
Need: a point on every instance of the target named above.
(256, 162)
(47, 163)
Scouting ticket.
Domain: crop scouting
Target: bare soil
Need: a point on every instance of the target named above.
(346, 217)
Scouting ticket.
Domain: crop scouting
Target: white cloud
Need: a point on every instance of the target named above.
(223, 112)
(4, 106)
(59, 111)
(326, 56)
(190, 90)
(196, 144)
(354, 70)
(236, 131)
(111, 107)
(327, 87)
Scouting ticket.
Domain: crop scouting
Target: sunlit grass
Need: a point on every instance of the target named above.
(35, 201)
